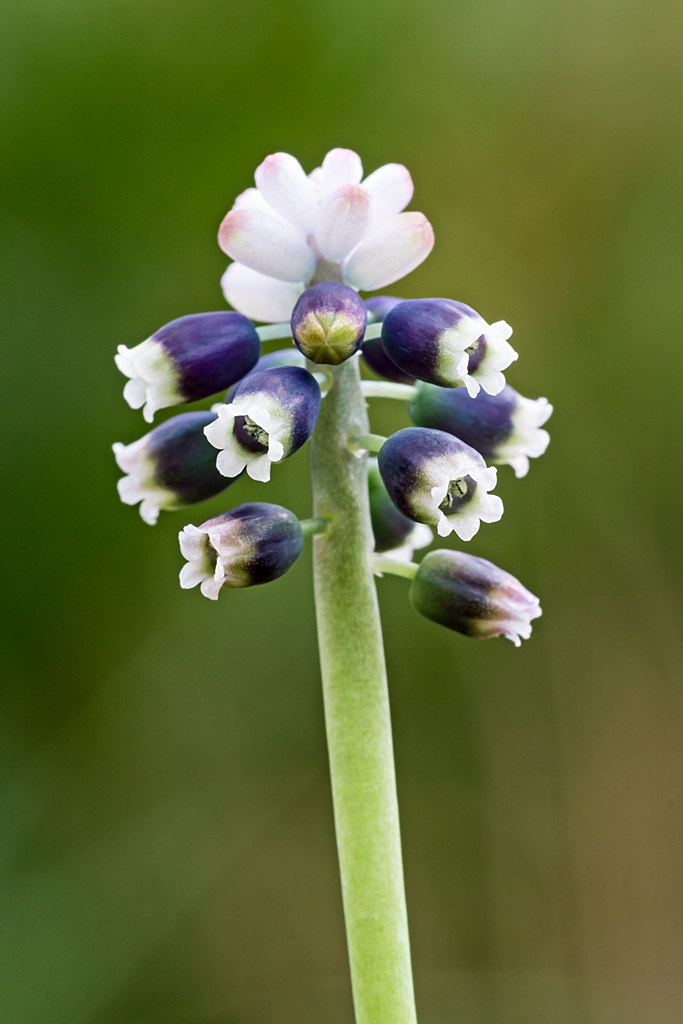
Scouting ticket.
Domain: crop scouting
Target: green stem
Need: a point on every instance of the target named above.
(311, 527)
(394, 566)
(366, 442)
(357, 715)
(387, 389)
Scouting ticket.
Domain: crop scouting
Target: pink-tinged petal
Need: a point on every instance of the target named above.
(266, 244)
(391, 188)
(389, 251)
(257, 296)
(342, 221)
(251, 199)
(341, 167)
(282, 182)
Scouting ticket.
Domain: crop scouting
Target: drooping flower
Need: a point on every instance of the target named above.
(171, 467)
(328, 322)
(294, 230)
(445, 342)
(473, 596)
(504, 428)
(437, 479)
(271, 415)
(373, 350)
(190, 358)
(254, 543)
(394, 533)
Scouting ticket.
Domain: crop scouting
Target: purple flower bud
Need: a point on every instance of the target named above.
(272, 414)
(473, 596)
(393, 532)
(379, 306)
(447, 343)
(328, 322)
(504, 428)
(190, 358)
(282, 357)
(171, 467)
(437, 479)
(254, 543)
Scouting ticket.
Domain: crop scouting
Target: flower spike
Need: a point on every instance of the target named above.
(271, 415)
(328, 323)
(436, 479)
(447, 343)
(190, 358)
(473, 596)
(254, 543)
(504, 428)
(171, 467)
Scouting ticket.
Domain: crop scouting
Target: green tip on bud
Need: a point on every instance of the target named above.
(328, 323)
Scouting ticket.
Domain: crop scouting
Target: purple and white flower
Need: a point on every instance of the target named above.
(505, 428)
(445, 342)
(294, 230)
(473, 596)
(190, 358)
(437, 479)
(171, 467)
(252, 544)
(271, 415)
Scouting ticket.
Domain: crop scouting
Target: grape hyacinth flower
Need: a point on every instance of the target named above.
(394, 533)
(171, 467)
(271, 415)
(188, 359)
(504, 428)
(328, 323)
(295, 230)
(304, 246)
(437, 479)
(447, 343)
(473, 596)
(254, 543)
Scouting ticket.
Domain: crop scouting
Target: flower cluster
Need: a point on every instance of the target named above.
(303, 246)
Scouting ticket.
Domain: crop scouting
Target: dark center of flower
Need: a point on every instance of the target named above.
(476, 352)
(251, 437)
(459, 492)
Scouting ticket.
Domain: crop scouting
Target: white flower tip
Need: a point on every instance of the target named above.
(149, 512)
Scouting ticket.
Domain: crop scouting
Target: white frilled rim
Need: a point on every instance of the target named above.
(482, 507)
(139, 485)
(456, 344)
(266, 413)
(153, 380)
(331, 224)
(527, 440)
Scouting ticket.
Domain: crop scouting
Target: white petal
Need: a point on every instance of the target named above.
(282, 182)
(259, 469)
(389, 251)
(342, 221)
(219, 432)
(232, 459)
(190, 575)
(391, 188)
(135, 392)
(490, 508)
(149, 512)
(258, 296)
(341, 167)
(266, 244)
(252, 199)
(211, 589)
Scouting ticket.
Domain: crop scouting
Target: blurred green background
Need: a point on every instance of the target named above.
(166, 844)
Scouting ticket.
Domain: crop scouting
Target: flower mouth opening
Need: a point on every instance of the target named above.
(460, 492)
(476, 352)
(252, 437)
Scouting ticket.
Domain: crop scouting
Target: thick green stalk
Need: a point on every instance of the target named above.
(357, 714)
